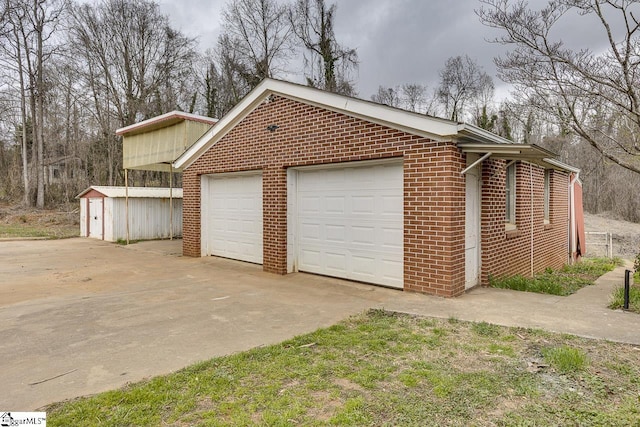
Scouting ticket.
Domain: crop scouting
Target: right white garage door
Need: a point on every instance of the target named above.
(350, 222)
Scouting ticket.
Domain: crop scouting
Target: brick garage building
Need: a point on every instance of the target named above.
(299, 179)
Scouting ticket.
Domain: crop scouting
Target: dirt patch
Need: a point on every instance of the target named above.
(626, 235)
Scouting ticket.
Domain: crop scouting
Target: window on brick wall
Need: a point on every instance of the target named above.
(510, 218)
(547, 195)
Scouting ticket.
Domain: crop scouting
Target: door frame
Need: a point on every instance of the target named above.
(474, 174)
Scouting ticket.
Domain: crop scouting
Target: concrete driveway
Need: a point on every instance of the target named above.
(81, 316)
(101, 315)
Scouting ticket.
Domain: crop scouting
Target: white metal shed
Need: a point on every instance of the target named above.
(103, 213)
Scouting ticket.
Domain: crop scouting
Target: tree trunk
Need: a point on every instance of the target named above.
(26, 200)
(39, 102)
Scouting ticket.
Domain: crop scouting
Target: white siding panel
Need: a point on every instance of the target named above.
(110, 217)
(148, 219)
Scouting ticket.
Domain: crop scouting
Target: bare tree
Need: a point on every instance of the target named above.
(28, 27)
(462, 81)
(12, 59)
(134, 65)
(231, 77)
(595, 95)
(414, 96)
(387, 96)
(260, 30)
(328, 64)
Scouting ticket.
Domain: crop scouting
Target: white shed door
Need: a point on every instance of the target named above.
(95, 217)
(232, 216)
(350, 223)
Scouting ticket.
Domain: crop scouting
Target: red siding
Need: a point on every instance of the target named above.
(91, 194)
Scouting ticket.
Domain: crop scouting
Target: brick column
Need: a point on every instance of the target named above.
(274, 205)
(191, 214)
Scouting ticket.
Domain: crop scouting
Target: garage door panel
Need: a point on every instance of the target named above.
(363, 235)
(364, 265)
(334, 233)
(334, 205)
(232, 217)
(363, 205)
(392, 205)
(310, 232)
(309, 204)
(311, 259)
(392, 237)
(335, 262)
(350, 223)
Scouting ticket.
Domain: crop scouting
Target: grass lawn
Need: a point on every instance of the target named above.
(562, 282)
(46, 224)
(386, 369)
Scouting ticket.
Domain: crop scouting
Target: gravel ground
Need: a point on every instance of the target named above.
(626, 235)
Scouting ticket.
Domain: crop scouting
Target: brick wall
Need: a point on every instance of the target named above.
(434, 193)
(433, 186)
(509, 252)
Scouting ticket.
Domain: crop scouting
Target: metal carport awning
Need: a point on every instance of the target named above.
(154, 145)
(524, 152)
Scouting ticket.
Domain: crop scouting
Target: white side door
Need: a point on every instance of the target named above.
(472, 224)
(96, 217)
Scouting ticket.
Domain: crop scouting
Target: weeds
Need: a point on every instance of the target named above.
(565, 281)
(565, 359)
(617, 298)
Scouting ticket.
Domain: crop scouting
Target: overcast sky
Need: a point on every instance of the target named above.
(398, 41)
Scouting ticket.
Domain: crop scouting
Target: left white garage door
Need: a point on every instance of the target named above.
(231, 220)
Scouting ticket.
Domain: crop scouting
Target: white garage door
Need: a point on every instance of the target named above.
(350, 223)
(232, 216)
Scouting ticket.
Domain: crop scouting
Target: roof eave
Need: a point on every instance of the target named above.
(557, 164)
(172, 116)
(512, 151)
(471, 133)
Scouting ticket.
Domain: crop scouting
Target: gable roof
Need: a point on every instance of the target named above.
(134, 192)
(414, 123)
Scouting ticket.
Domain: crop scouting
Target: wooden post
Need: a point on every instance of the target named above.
(126, 201)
